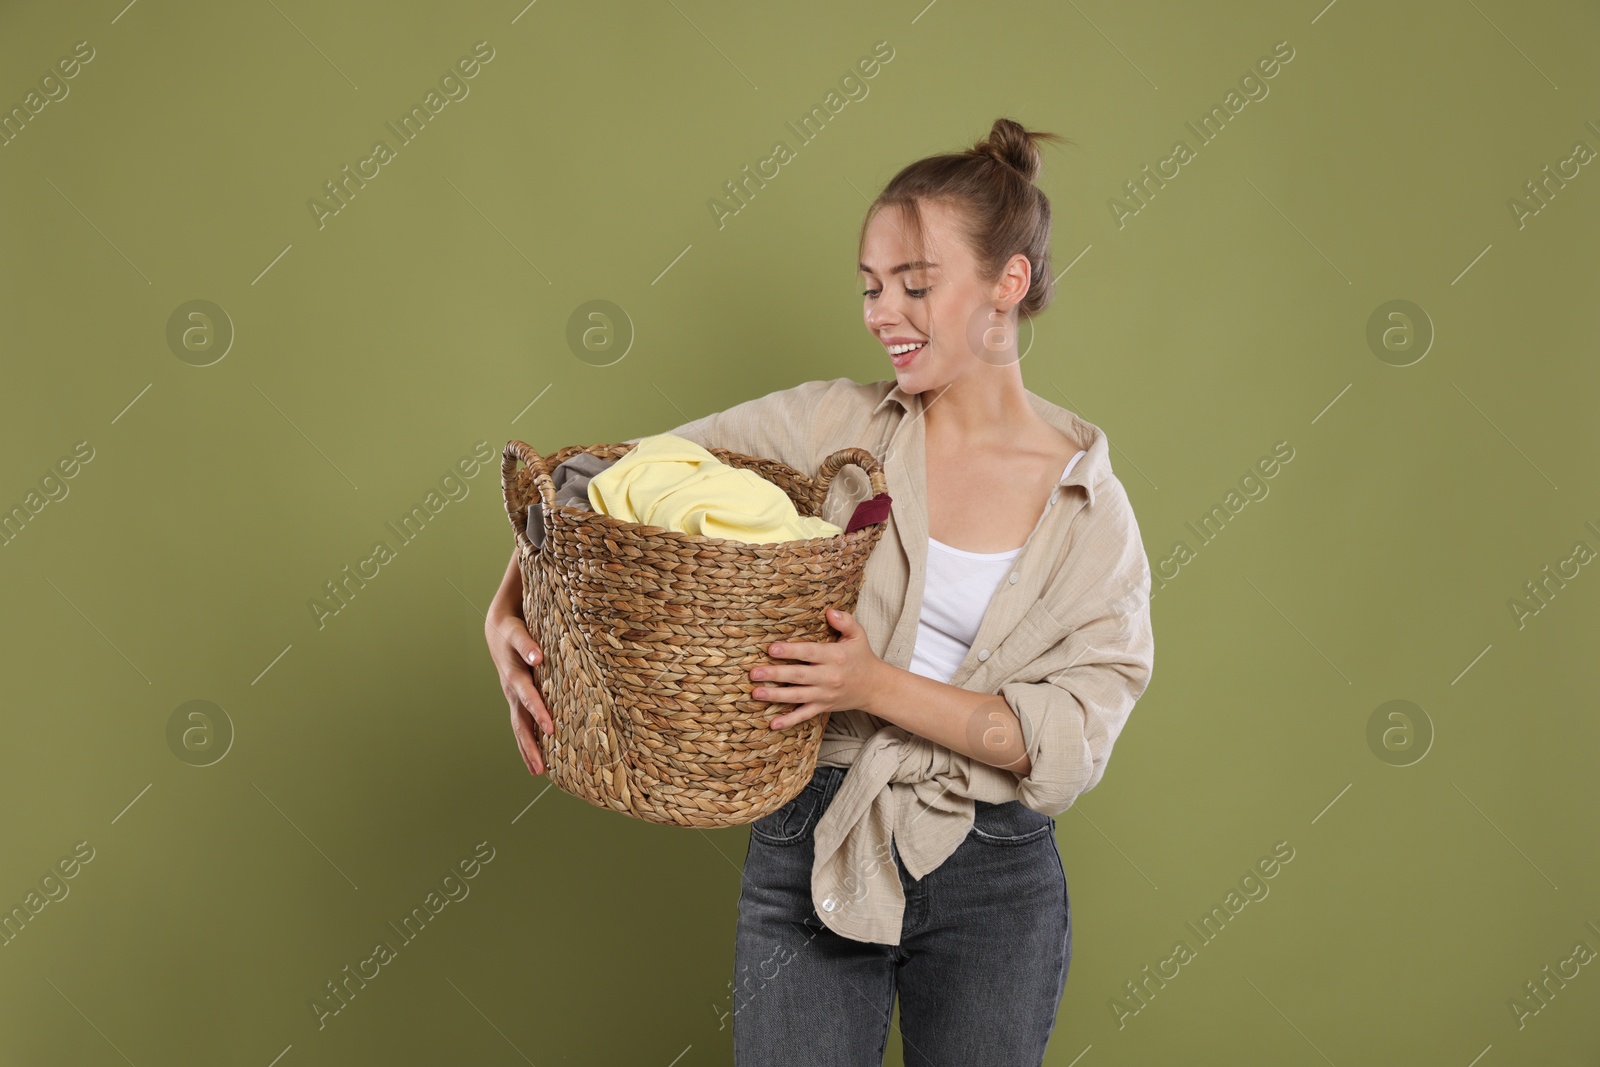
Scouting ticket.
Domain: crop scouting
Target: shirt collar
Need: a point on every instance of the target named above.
(895, 393)
(1087, 472)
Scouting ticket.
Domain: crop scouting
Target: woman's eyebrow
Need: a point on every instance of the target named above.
(914, 265)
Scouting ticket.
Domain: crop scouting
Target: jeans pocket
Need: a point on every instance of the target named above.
(792, 823)
(1011, 823)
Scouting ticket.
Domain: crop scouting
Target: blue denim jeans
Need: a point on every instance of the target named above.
(980, 969)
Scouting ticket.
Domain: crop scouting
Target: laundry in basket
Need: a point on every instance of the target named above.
(649, 634)
(670, 481)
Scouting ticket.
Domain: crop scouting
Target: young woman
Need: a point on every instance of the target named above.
(1001, 638)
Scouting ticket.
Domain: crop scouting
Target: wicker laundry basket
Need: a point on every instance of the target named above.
(649, 635)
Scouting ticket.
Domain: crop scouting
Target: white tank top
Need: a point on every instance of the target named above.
(956, 591)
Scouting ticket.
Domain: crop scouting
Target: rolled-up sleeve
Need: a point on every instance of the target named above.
(787, 425)
(1073, 700)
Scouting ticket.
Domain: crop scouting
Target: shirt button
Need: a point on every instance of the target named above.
(1013, 577)
(829, 904)
(983, 654)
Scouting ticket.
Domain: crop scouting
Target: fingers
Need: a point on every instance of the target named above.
(795, 717)
(514, 651)
(771, 672)
(810, 651)
(528, 694)
(789, 694)
(513, 631)
(527, 744)
(509, 640)
(528, 650)
(516, 683)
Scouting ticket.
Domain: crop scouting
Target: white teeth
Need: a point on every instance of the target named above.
(898, 350)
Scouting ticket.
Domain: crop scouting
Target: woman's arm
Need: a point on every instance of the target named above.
(1053, 723)
(979, 725)
(1074, 699)
(508, 598)
(848, 674)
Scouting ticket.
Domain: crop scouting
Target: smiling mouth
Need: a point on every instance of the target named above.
(900, 355)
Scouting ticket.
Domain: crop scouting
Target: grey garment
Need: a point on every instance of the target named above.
(571, 480)
(985, 946)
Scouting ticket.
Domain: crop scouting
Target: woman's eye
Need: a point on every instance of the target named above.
(916, 294)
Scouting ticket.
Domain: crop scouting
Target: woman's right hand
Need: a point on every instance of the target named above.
(513, 648)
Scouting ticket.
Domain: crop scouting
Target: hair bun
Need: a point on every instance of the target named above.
(1009, 143)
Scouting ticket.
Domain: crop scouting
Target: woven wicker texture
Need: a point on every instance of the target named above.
(649, 635)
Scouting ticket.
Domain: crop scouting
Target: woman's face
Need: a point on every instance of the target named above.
(930, 297)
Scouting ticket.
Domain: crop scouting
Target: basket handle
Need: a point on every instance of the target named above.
(517, 513)
(861, 458)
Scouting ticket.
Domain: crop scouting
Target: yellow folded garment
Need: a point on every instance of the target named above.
(672, 482)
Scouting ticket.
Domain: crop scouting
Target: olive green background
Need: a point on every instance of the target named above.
(363, 756)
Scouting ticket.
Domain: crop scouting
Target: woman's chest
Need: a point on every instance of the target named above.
(989, 505)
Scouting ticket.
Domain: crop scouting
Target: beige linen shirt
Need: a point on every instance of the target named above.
(1066, 641)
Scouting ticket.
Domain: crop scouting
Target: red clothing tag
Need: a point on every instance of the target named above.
(874, 509)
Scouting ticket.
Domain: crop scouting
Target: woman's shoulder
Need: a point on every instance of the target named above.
(833, 403)
(797, 424)
(843, 386)
(1092, 471)
(1062, 431)
(815, 388)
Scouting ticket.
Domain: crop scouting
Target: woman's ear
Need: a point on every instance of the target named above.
(1012, 285)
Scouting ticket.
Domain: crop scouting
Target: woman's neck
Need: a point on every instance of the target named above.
(979, 413)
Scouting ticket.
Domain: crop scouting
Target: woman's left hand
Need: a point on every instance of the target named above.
(836, 675)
